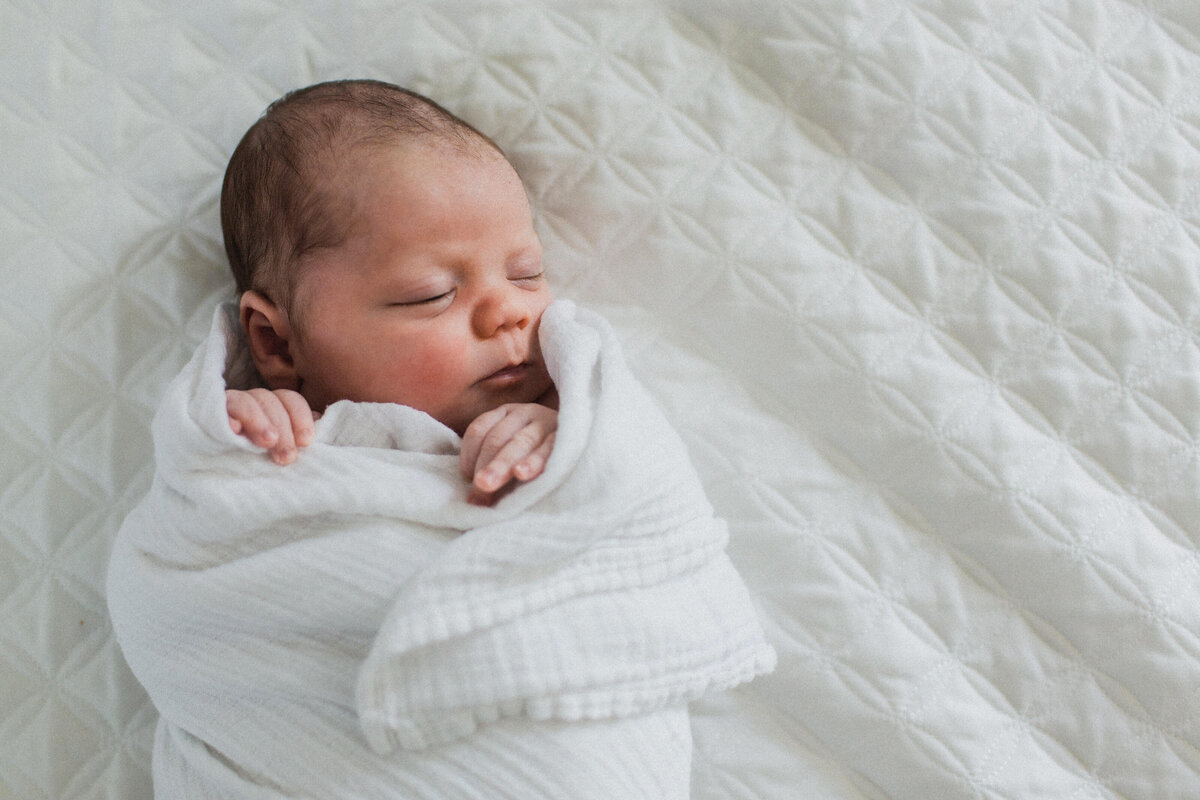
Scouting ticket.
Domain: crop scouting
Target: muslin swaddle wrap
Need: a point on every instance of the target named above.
(349, 626)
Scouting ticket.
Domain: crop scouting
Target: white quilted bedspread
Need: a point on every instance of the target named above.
(917, 280)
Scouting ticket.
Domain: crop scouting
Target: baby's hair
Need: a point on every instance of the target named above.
(279, 200)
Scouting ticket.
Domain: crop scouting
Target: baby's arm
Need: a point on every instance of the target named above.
(279, 421)
(507, 444)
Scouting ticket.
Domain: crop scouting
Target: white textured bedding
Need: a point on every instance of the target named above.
(917, 281)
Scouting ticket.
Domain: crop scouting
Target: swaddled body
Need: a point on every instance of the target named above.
(351, 626)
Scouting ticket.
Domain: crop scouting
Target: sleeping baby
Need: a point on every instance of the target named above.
(415, 276)
(493, 572)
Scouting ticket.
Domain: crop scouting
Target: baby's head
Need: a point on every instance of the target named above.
(284, 199)
(385, 252)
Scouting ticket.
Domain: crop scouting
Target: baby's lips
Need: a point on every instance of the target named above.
(507, 375)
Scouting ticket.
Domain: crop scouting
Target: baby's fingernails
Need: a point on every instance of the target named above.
(268, 438)
(487, 480)
(304, 438)
(284, 456)
(480, 499)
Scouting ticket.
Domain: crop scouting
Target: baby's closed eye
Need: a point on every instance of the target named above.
(534, 278)
(427, 300)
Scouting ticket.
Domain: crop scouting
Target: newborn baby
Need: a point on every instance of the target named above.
(492, 573)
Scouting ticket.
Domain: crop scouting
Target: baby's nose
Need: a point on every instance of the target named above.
(499, 311)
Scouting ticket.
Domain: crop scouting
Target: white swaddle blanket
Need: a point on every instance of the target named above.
(349, 626)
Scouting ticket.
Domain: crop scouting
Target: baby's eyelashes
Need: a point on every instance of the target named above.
(426, 301)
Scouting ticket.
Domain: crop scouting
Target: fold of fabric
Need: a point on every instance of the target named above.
(350, 624)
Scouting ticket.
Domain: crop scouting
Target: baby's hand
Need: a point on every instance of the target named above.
(507, 444)
(279, 420)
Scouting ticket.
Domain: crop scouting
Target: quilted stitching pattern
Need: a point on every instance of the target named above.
(916, 279)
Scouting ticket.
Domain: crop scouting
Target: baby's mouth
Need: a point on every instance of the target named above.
(507, 376)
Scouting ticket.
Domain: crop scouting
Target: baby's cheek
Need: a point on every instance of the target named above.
(436, 381)
(435, 370)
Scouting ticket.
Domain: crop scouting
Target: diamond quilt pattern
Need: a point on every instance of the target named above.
(916, 279)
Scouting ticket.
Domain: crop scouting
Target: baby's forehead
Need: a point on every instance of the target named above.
(418, 159)
(355, 188)
(354, 157)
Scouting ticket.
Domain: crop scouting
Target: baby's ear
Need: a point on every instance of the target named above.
(270, 335)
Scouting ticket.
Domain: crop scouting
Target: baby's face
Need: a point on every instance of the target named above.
(434, 301)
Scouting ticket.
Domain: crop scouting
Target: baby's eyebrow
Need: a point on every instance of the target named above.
(529, 251)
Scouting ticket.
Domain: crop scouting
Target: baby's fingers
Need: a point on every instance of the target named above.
(247, 417)
(270, 420)
(300, 416)
(279, 407)
(474, 439)
(506, 445)
(533, 464)
(524, 449)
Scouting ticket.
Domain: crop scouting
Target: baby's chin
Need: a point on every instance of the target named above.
(539, 389)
